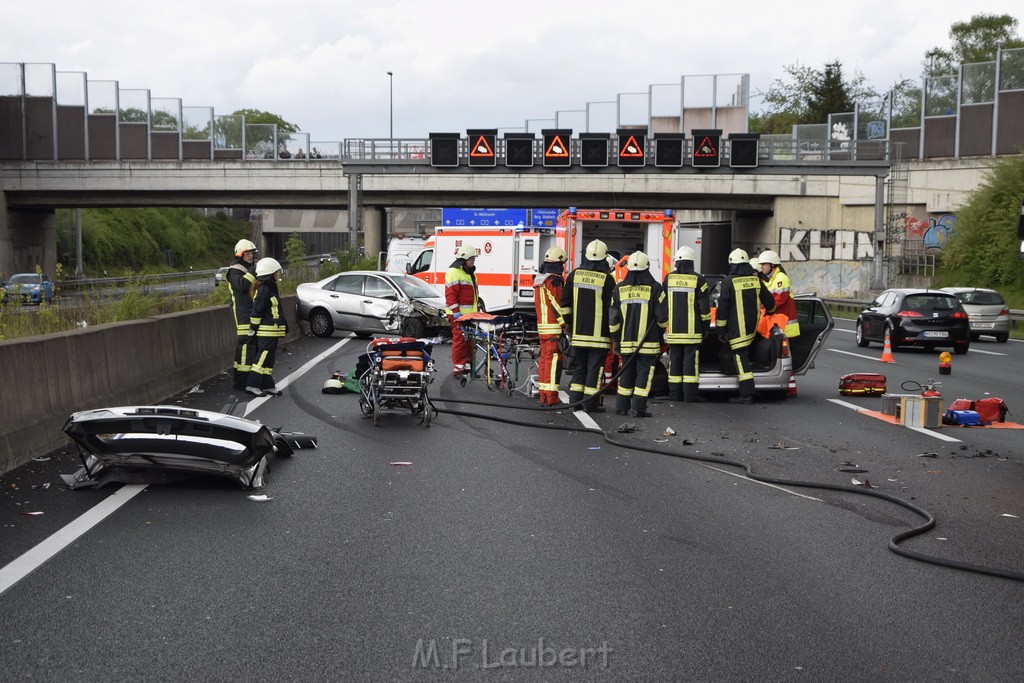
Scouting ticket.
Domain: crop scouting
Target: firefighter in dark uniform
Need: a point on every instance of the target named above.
(689, 317)
(267, 324)
(241, 279)
(547, 295)
(739, 307)
(584, 308)
(638, 317)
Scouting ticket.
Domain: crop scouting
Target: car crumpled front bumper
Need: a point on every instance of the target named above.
(148, 444)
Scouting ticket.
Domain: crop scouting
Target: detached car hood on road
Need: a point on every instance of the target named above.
(134, 443)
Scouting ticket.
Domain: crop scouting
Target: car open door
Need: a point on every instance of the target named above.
(378, 299)
(815, 325)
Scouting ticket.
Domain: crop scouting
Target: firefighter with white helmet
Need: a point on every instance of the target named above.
(689, 317)
(241, 277)
(739, 307)
(547, 292)
(584, 309)
(461, 297)
(268, 325)
(779, 285)
(637, 318)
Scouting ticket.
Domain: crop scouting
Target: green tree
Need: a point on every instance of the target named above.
(973, 41)
(808, 95)
(295, 257)
(829, 94)
(983, 251)
(259, 116)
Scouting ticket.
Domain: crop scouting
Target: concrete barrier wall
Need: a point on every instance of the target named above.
(45, 379)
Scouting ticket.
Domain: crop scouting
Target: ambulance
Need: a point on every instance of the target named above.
(623, 231)
(507, 260)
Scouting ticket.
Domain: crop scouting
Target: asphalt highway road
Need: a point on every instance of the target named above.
(517, 551)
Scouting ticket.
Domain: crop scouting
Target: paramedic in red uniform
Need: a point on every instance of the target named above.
(547, 293)
(460, 296)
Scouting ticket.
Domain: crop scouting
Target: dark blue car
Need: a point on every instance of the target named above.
(28, 288)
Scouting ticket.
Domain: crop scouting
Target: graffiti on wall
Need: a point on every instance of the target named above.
(825, 245)
(933, 232)
(842, 279)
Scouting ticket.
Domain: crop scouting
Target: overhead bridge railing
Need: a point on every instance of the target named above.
(143, 280)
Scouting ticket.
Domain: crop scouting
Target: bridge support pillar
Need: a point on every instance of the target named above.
(27, 239)
(373, 231)
(879, 277)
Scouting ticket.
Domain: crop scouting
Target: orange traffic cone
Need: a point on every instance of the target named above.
(887, 351)
(791, 390)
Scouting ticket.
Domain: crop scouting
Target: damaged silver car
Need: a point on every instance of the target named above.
(372, 302)
(159, 444)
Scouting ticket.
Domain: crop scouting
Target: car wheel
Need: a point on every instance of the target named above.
(862, 341)
(363, 335)
(414, 327)
(975, 336)
(320, 323)
(962, 348)
(893, 345)
(1002, 337)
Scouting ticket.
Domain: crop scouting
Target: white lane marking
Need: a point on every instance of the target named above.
(851, 353)
(257, 402)
(28, 562)
(837, 329)
(922, 430)
(987, 353)
(754, 481)
(25, 564)
(589, 423)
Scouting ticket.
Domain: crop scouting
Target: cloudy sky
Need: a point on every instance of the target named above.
(459, 64)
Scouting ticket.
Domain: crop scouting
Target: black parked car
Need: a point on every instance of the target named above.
(927, 318)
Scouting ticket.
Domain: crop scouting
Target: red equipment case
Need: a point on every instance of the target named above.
(862, 384)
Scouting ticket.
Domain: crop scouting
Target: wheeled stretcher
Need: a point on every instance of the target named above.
(398, 374)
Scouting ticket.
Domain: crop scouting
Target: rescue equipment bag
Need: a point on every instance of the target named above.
(862, 384)
(991, 409)
(963, 418)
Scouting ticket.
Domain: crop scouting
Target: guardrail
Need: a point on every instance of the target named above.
(91, 283)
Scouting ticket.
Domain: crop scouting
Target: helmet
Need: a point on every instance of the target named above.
(638, 261)
(597, 250)
(465, 252)
(769, 257)
(738, 256)
(333, 386)
(686, 254)
(755, 264)
(243, 246)
(267, 266)
(556, 255)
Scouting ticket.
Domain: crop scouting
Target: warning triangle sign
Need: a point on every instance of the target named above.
(481, 148)
(557, 148)
(631, 148)
(706, 148)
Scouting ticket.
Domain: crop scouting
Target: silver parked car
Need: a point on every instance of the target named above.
(371, 302)
(986, 309)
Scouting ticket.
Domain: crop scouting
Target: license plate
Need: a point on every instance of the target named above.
(984, 326)
(934, 334)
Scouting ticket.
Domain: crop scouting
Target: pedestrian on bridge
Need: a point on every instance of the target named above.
(268, 325)
(461, 296)
(586, 299)
(241, 277)
(689, 317)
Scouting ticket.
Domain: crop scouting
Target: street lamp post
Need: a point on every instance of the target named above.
(391, 105)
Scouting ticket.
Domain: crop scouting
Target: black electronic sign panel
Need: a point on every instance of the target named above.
(668, 150)
(444, 149)
(519, 150)
(707, 148)
(743, 151)
(481, 147)
(632, 149)
(594, 150)
(557, 149)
